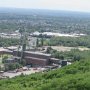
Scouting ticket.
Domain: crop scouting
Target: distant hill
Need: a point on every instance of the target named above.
(44, 12)
(73, 77)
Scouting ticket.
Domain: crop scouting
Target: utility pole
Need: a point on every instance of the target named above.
(23, 40)
(37, 42)
(41, 40)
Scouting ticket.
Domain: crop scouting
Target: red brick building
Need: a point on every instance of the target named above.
(35, 58)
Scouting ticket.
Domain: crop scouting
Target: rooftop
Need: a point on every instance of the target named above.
(4, 50)
(55, 59)
(39, 53)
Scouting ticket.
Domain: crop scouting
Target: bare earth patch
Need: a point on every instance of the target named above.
(63, 48)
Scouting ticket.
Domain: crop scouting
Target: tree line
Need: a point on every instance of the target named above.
(5, 42)
(69, 41)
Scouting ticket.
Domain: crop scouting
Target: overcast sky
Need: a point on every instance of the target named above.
(74, 5)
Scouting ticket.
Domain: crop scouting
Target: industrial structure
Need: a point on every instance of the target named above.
(34, 59)
(31, 58)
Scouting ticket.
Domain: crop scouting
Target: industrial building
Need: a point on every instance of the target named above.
(35, 58)
(31, 58)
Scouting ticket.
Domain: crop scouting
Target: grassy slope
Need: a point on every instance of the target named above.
(73, 77)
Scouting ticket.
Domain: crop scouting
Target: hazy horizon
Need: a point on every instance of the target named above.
(67, 5)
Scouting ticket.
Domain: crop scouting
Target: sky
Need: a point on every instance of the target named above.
(72, 5)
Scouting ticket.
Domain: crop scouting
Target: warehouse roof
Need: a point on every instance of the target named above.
(39, 53)
(4, 50)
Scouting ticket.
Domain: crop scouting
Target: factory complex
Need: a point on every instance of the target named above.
(32, 58)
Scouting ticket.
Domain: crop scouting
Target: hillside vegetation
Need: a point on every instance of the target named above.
(73, 77)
